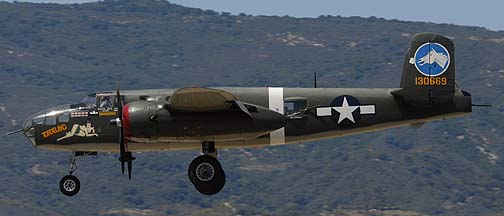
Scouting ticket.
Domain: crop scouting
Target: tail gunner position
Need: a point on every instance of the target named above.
(213, 118)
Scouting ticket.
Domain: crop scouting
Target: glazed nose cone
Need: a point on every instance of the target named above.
(29, 130)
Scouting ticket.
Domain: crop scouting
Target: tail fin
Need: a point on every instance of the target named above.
(429, 71)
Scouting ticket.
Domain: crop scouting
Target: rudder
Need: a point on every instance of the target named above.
(429, 71)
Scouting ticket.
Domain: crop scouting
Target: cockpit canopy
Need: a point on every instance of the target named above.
(52, 116)
(61, 114)
(55, 115)
(102, 101)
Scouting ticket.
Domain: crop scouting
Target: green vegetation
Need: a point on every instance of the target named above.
(54, 54)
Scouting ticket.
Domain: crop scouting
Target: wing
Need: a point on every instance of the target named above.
(195, 99)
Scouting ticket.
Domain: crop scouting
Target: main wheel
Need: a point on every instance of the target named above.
(206, 174)
(69, 185)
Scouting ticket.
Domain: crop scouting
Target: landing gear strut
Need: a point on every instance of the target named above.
(70, 185)
(205, 171)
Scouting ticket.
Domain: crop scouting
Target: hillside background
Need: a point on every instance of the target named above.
(52, 54)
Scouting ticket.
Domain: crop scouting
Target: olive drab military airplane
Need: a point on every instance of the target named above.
(220, 118)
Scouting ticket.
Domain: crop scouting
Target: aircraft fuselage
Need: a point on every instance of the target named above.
(310, 114)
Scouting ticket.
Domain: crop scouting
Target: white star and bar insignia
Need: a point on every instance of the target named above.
(346, 111)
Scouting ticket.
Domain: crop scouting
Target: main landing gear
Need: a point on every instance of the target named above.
(205, 171)
(70, 185)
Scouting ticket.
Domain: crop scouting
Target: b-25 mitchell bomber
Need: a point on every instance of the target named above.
(219, 118)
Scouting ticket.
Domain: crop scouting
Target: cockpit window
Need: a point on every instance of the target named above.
(81, 106)
(50, 120)
(90, 100)
(64, 117)
(38, 121)
(52, 116)
(105, 102)
(294, 105)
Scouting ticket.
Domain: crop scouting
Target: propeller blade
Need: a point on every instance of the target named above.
(125, 156)
(122, 147)
(122, 157)
(122, 150)
(130, 167)
(119, 103)
(122, 167)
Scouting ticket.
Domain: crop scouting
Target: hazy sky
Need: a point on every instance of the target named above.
(486, 13)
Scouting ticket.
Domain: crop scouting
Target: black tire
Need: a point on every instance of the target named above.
(206, 174)
(69, 185)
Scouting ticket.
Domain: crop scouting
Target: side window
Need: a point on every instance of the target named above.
(294, 105)
(38, 121)
(50, 120)
(289, 107)
(105, 102)
(63, 117)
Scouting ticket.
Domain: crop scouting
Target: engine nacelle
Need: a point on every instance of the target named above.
(155, 122)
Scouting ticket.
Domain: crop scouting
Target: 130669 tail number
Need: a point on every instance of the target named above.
(431, 81)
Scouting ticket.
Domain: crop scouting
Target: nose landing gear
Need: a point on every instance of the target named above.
(205, 171)
(69, 185)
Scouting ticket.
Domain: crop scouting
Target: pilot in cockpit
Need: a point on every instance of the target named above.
(105, 102)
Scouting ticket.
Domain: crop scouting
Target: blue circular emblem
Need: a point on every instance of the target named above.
(432, 59)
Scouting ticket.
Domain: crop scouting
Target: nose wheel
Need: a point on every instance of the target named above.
(69, 185)
(205, 171)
